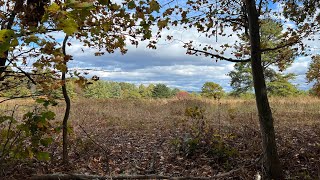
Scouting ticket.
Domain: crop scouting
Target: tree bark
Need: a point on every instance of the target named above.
(67, 110)
(271, 163)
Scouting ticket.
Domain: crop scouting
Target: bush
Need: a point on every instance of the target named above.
(182, 95)
(27, 137)
(200, 138)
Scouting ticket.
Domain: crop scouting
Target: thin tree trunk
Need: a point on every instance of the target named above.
(271, 163)
(67, 110)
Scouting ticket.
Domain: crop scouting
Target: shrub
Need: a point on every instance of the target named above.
(200, 138)
(27, 137)
(182, 95)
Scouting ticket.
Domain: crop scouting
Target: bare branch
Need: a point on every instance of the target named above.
(279, 47)
(195, 51)
(23, 53)
(23, 72)
(260, 6)
(16, 97)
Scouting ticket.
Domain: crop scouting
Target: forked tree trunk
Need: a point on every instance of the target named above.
(271, 163)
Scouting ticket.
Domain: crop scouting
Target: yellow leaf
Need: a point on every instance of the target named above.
(53, 8)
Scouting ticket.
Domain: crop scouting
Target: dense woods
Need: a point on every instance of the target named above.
(58, 123)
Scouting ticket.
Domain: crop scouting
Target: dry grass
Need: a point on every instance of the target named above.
(138, 136)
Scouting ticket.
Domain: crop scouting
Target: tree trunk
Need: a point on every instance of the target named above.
(67, 111)
(271, 164)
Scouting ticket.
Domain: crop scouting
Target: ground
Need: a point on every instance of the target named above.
(130, 137)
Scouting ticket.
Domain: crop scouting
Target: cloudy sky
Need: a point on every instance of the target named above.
(169, 63)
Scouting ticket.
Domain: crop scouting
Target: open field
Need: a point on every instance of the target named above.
(115, 136)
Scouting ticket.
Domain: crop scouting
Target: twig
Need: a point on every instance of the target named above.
(17, 97)
(23, 72)
(154, 156)
(87, 177)
(9, 129)
(106, 152)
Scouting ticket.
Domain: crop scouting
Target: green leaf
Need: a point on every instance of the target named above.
(131, 5)
(83, 5)
(104, 2)
(154, 6)
(46, 141)
(49, 115)
(43, 156)
(69, 26)
(5, 40)
(5, 118)
(53, 8)
(14, 42)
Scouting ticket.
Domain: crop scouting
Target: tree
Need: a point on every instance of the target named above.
(129, 91)
(212, 18)
(161, 91)
(26, 26)
(280, 86)
(174, 92)
(144, 93)
(277, 84)
(241, 79)
(212, 90)
(313, 74)
(241, 76)
(103, 89)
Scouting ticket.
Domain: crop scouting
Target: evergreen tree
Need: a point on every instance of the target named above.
(161, 91)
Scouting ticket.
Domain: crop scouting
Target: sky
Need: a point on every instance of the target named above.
(169, 63)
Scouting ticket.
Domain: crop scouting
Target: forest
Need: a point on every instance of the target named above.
(58, 121)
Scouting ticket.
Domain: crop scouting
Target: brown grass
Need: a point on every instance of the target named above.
(138, 136)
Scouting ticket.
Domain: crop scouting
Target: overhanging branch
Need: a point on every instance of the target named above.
(23, 72)
(195, 51)
(279, 47)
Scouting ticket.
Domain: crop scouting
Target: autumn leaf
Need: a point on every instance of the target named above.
(154, 6)
(131, 5)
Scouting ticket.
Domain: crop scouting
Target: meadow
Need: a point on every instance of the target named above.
(186, 137)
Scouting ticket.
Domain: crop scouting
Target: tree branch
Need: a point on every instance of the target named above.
(279, 47)
(260, 6)
(59, 176)
(87, 177)
(23, 72)
(16, 97)
(217, 56)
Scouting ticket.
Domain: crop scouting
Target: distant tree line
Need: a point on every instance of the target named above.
(241, 82)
